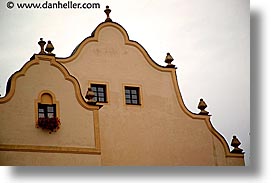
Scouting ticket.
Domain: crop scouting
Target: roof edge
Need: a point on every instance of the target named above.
(11, 85)
(94, 38)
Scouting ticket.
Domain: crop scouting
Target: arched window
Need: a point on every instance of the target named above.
(46, 106)
(46, 109)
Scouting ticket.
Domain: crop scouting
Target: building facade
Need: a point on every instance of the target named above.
(108, 103)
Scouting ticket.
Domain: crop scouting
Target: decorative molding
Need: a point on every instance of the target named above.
(95, 38)
(206, 118)
(14, 77)
(76, 85)
(49, 149)
(36, 60)
(60, 149)
(96, 130)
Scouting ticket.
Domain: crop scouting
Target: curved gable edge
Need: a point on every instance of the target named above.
(11, 85)
(94, 38)
(10, 88)
(53, 149)
(205, 118)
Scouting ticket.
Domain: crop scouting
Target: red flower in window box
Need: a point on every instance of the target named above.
(52, 124)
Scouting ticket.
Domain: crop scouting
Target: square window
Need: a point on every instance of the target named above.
(99, 92)
(132, 95)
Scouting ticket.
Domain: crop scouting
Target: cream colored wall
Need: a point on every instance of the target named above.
(161, 131)
(158, 132)
(18, 118)
(47, 159)
(235, 161)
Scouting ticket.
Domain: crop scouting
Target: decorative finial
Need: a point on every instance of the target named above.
(42, 44)
(169, 59)
(108, 11)
(202, 105)
(49, 48)
(235, 143)
(90, 96)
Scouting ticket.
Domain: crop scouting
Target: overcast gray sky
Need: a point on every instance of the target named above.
(208, 39)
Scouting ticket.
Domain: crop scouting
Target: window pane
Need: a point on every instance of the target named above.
(134, 91)
(50, 115)
(127, 91)
(128, 101)
(101, 99)
(100, 89)
(94, 89)
(95, 98)
(41, 115)
(127, 96)
(134, 101)
(50, 108)
(41, 110)
(101, 94)
(134, 96)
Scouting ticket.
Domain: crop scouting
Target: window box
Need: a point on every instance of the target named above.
(51, 124)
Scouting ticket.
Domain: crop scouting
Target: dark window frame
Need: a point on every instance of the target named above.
(100, 95)
(132, 95)
(45, 110)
